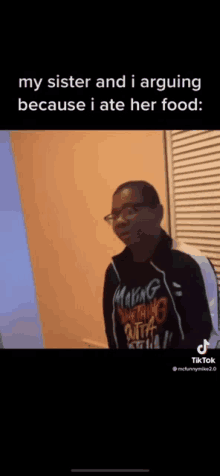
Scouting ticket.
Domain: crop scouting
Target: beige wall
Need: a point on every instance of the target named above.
(66, 181)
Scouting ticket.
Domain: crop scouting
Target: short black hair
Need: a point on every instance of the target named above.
(149, 193)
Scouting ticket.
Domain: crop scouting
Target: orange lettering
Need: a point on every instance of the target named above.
(128, 331)
(137, 330)
(141, 312)
(124, 314)
(132, 315)
(150, 326)
(161, 310)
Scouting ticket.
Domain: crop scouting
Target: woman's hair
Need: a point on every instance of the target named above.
(149, 194)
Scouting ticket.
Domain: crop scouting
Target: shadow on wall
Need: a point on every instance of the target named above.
(20, 326)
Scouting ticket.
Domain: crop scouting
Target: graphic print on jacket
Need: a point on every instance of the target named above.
(146, 312)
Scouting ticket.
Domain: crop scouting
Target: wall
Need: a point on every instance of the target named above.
(20, 325)
(66, 181)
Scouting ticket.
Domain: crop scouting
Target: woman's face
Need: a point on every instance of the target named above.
(133, 221)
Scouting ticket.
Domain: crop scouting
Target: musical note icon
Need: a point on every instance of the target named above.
(202, 349)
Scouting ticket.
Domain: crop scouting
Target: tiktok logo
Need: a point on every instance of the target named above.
(202, 349)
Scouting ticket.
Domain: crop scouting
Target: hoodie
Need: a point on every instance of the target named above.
(168, 302)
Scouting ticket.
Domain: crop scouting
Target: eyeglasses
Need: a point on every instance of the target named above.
(128, 213)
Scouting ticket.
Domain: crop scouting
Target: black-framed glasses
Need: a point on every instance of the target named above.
(128, 212)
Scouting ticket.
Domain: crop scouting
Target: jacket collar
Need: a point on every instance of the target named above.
(158, 257)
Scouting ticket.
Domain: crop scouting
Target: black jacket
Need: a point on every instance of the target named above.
(170, 301)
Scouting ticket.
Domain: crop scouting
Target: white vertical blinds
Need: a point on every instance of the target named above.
(194, 190)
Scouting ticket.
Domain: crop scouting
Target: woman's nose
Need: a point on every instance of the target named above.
(121, 220)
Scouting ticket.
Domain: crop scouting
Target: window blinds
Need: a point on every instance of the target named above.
(193, 159)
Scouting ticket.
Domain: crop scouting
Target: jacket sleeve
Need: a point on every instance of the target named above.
(214, 299)
(196, 316)
(110, 284)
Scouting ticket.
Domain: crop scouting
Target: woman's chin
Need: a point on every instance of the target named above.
(126, 240)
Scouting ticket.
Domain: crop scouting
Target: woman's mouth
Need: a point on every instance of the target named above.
(125, 234)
